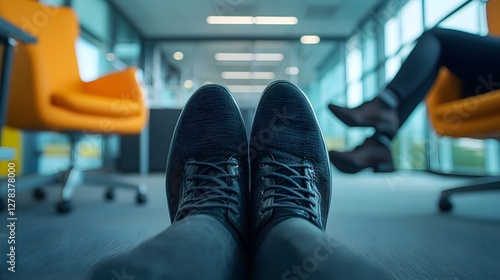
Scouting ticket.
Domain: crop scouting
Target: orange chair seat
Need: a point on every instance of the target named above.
(96, 105)
(479, 106)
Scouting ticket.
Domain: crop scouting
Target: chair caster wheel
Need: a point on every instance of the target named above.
(63, 207)
(141, 198)
(445, 205)
(109, 195)
(38, 194)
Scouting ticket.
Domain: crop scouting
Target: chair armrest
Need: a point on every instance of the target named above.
(121, 84)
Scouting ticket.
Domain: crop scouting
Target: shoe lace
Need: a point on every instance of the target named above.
(211, 189)
(288, 190)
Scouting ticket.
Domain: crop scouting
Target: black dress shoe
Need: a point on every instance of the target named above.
(369, 114)
(290, 171)
(207, 166)
(370, 154)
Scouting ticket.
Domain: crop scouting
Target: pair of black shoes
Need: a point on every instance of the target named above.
(375, 151)
(281, 171)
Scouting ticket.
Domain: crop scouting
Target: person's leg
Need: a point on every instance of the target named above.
(467, 55)
(198, 247)
(295, 249)
(291, 188)
(207, 192)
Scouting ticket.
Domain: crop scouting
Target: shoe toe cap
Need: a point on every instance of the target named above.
(211, 123)
(285, 120)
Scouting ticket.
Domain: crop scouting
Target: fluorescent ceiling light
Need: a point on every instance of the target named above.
(276, 20)
(249, 56)
(310, 39)
(251, 20)
(246, 88)
(248, 75)
(230, 20)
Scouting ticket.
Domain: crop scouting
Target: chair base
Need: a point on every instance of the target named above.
(481, 184)
(71, 179)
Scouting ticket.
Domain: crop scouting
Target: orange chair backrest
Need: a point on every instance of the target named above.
(493, 16)
(46, 66)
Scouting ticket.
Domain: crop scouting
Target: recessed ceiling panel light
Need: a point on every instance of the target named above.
(178, 55)
(188, 84)
(248, 75)
(249, 56)
(110, 56)
(251, 20)
(292, 70)
(310, 39)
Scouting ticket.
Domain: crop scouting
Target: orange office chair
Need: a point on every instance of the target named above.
(47, 94)
(473, 117)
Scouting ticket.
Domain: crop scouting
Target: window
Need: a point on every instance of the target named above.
(127, 43)
(466, 19)
(392, 38)
(332, 90)
(436, 10)
(369, 55)
(88, 57)
(412, 24)
(94, 16)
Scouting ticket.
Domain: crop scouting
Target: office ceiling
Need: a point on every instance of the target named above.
(180, 25)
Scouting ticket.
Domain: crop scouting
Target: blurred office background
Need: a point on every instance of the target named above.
(361, 46)
(350, 64)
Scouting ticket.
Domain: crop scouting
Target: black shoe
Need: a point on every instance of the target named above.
(369, 114)
(290, 172)
(207, 167)
(370, 154)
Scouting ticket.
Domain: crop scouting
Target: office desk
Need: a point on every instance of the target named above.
(8, 34)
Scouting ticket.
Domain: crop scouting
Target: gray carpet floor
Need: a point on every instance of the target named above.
(389, 219)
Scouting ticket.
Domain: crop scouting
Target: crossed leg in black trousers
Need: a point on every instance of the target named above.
(473, 58)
